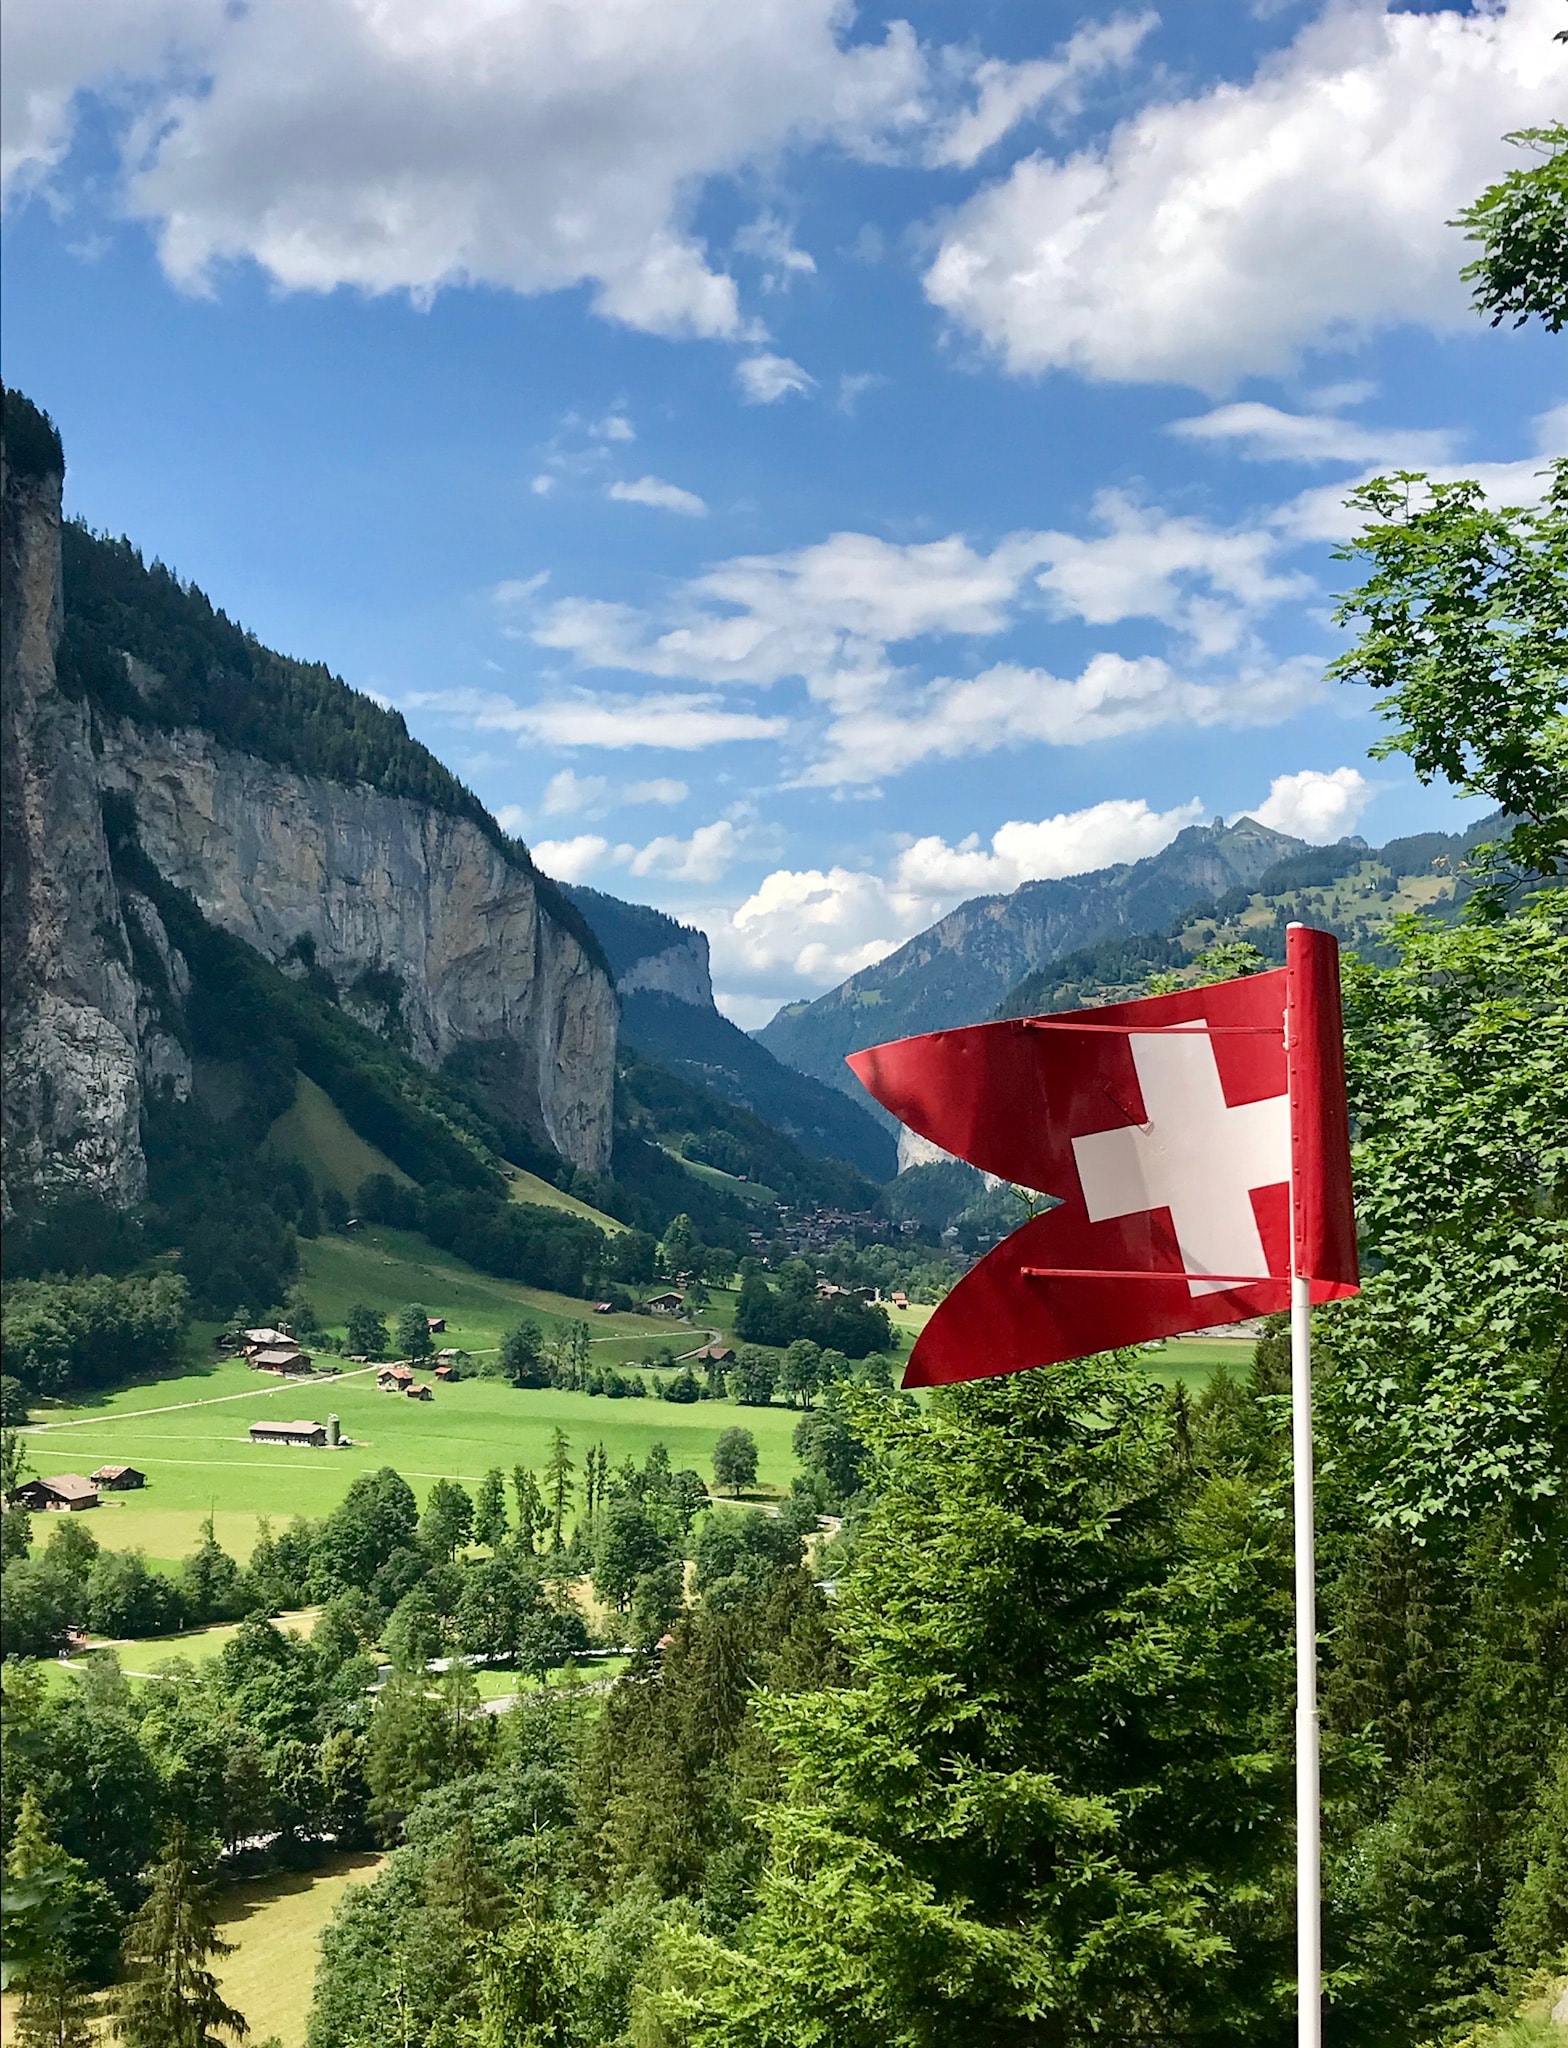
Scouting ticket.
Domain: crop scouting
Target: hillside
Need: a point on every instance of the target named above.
(668, 1014)
(963, 966)
(1350, 889)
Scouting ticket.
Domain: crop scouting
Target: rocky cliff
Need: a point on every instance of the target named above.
(432, 928)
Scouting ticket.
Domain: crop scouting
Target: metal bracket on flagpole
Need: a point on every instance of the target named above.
(1196, 1029)
(1144, 1273)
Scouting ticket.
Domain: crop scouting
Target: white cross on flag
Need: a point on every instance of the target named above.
(1196, 1146)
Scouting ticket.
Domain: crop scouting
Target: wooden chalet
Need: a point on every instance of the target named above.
(435, 1325)
(664, 1304)
(309, 1435)
(395, 1379)
(283, 1358)
(118, 1478)
(65, 1493)
(420, 1393)
(714, 1354)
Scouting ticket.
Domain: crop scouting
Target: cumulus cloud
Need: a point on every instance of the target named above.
(663, 497)
(1219, 235)
(658, 789)
(704, 857)
(572, 860)
(567, 793)
(816, 925)
(771, 242)
(1072, 843)
(1316, 806)
(1006, 94)
(403, 147)
(764, 380)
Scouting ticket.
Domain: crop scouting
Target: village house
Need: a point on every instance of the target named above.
(664, 1305)
(281, 1358)
(65, 1493)
(714, 1354)
(311, 1435)
(395, 1379)
(118, 1478)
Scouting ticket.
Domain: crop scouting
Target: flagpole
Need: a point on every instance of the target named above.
(1309, 1930)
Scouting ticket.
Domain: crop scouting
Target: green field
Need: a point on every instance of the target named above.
(316, 1133)
(275, 1925)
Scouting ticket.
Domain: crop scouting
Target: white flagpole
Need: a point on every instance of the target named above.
(1309, 1930)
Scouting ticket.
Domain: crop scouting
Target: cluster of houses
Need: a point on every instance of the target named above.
(268, 1350)
(68, 1492)
(398, 1378)
(815, 1230)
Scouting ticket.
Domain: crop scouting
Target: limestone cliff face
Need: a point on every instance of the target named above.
(70, 1073)
(680, 970)
(429, 933)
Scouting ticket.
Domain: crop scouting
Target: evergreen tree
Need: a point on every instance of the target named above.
(447, 1522)
(558, 1483)
(490, 1525)
(522, 1356)
(531, 1516)
(55, 2008)
(172, 1999)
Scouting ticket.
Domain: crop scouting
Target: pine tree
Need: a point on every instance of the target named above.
(55, 2009)
(558, 1489)
(490, 1525)
(172, 1999)
(530, 1509)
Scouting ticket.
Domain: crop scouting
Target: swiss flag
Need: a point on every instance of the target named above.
(1196, 1145)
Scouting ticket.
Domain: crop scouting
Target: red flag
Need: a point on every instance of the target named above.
(1193, 1160)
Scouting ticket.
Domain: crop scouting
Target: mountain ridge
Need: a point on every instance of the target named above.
(961, 967)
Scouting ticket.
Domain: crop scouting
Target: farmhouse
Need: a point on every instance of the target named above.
(395, 1379)
(664, 1305)
(258, 1340)
(446, 1373)
(311, 1434)
(65, 1493)
(900, 1300)
(118, 1478)
(284, 1358)
(419, 1393)
(714, 1354)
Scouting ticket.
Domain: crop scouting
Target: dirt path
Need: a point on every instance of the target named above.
(172, 1407)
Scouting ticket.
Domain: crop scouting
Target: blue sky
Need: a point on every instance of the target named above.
(801, 467)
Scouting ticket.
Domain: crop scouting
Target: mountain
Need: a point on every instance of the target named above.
(959, 970)
(154, 754)
(1351, 889)
(668, 1015)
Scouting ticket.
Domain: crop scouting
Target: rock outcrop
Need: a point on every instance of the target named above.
(430, 931)
(680, 970)
(71, 1081)
(431, 935)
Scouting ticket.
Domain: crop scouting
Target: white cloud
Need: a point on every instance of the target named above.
(1316, 806)
(570, 860)
(51, 49)
(1009, 706)
(399, 146)
(567, 792)
(615, 426)
(704, 857)
(682, 721)
(1262, 433)
(817, 925)
(511, 818)
(1206, 581)
(764, 380)
(542, 486)
(770, 241)
(663, 497)
(1006, 93)
(516, 590)
(1217, 236)
(658, 789)
(1072, 843)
